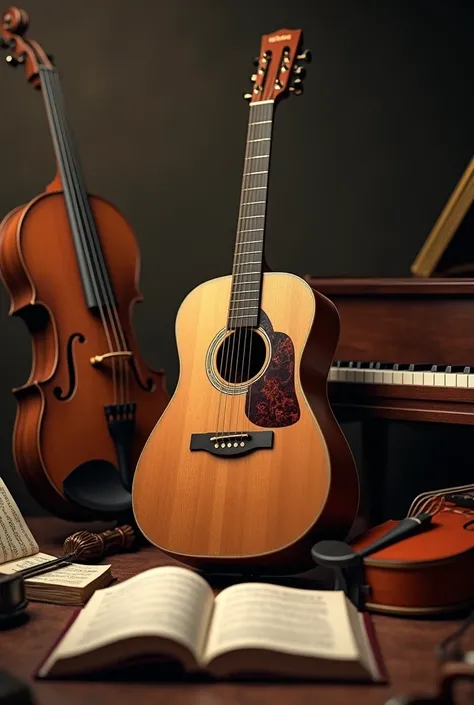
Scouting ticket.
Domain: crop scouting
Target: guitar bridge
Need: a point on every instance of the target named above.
(231, 444)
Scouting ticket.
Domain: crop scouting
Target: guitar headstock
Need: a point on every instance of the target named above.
(13, 27)
(278, 67)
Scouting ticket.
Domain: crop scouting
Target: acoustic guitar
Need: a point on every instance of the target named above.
(248, 466)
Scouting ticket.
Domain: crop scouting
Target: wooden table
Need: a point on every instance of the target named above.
(407, 647)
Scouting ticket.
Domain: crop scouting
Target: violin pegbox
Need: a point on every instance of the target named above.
(14, 25)
(277, 69)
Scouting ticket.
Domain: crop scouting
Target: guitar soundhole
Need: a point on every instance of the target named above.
(241, 356)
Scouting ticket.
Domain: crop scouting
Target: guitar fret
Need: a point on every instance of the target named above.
(248, 242)
(251, 262)
(260, 122)
(242, 308)
(254, 230)
(254, 188)
(245, 217)
(252, 252)
(245, 291)
(261, 156)
(252, 298)
(245, 274)
(248, 315)
(252, 203)
(253, 173)
(262, 139)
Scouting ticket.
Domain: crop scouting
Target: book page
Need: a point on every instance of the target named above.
(169, 602)
(74, 575)
(289, 620)
(16, 540)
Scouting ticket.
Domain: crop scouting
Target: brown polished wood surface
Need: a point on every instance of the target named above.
(407, 646)
(265, 508)
(411, 321)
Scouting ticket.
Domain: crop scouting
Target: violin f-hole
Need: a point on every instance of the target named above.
(57, 391)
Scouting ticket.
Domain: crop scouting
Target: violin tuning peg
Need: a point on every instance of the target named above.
(247, 96)
(305, 56)
(253, 77)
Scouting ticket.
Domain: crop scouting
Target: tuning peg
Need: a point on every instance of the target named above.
(253, 77)
(6, 43)
(247, 96)
(300, 71)
(297, 87)
(305, 56)
(12, 60)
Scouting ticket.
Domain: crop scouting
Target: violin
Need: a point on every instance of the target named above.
(70, 264)
(429, 572)
(248, 465)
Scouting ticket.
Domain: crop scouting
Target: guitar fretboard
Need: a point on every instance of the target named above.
(244, 306)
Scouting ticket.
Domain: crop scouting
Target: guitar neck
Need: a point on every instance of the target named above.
(246, 289)
(92, 266)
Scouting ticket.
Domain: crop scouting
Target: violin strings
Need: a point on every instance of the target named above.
(93, 240)
(86, 232)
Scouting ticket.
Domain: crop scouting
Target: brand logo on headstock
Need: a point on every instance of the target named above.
(279, 38)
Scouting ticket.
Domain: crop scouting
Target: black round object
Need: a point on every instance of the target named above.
(334, 554)
(13, 600)
(95, 485)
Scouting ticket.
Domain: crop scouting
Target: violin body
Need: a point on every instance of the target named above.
(427, 573)
(265, 508)
(60, 421)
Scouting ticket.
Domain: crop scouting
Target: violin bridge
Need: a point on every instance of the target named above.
(99, 359)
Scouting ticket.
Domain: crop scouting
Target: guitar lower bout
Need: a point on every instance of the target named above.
(248, 466)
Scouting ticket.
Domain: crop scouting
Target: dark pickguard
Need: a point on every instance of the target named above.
(271, 400)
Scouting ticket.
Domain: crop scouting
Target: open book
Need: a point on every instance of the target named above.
(249, 629)
(71, 585)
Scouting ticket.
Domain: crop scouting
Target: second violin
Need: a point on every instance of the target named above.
(70, 264)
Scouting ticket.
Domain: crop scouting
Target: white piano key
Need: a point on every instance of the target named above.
(368, 376)
(359, 376)
(408, 377)
(387, 376)
(470, 380)
(439, 379)
(350, 376)
(397, 377)
(418, 378)
(333, 374)
(461, 380)
(378, 376)
(450, 379)
(342, 374)
(428, 379)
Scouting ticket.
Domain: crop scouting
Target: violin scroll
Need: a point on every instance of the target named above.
(15, 20)
(21, 50)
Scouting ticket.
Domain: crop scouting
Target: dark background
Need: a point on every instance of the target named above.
(362, 164)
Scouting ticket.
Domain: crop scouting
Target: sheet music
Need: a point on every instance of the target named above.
(16, 540)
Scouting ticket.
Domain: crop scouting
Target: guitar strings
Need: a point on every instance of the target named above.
(50, 81)
(234, 286)
(261, 132)
(243, 237)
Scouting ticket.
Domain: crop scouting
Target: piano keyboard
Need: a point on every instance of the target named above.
(447, 376)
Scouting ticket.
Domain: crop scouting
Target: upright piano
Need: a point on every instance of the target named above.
(406, 347)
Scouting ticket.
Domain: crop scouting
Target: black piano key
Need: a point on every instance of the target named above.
(424, 367)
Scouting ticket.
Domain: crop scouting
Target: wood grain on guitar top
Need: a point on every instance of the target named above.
(262, 506)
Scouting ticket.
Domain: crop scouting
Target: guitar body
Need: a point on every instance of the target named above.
(263, 509)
